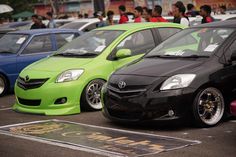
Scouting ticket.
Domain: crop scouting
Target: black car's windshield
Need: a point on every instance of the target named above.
(195, 42)
(89, 44)
(11, 43)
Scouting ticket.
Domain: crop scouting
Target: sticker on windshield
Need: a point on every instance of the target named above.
(100, 48)
(211, 48)
(21, 40)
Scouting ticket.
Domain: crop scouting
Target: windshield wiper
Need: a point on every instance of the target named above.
(195, 56)
(162, 56)
(75, 54)
(6, 52)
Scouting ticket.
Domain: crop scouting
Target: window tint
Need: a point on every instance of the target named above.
(39, 44)
(167, 32)
(139, 42)
(62, 39)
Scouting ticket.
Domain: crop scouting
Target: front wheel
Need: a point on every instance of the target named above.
(3, 85)
(208, 107)
(91, 97)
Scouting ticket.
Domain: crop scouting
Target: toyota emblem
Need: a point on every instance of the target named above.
(121, 84)
(27, 78)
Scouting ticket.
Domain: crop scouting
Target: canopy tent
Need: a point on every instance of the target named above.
(5, 8)
(23, 14)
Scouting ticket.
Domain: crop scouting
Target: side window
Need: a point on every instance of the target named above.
(90, 27)
(167, 32)
(139, 42)
(39, 44)
(62, 39)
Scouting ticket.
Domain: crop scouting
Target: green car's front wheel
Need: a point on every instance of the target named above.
(91, 97)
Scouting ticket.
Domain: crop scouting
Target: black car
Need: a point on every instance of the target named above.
(193, 73)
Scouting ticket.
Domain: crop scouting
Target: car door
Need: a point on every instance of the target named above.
(139, 43)
(39, 47)
(229, 71)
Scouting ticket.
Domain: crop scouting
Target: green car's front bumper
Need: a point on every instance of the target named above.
(47, 99)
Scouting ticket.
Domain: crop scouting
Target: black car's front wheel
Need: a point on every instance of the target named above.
(91, 97)
(3, 85)
(208, 107)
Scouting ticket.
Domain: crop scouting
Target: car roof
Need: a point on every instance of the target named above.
(132, 26)
(44, 31)
(223, 24)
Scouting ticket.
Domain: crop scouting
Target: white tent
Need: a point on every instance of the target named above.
(5, 8)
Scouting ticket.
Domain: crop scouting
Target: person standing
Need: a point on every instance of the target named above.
(110, 20)
(138, 11)
(51, 23)
(156, 15)
(179, 14)
(205, 12)
(191, 10)
(37, 22)
(101, 21)
(123, 17)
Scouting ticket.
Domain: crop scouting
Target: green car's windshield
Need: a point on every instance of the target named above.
(89, 44)
(194, 42)
(11, 43)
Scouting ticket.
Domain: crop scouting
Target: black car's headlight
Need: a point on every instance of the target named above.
(178, 81)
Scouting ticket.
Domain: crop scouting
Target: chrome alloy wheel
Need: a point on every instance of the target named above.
(93, 95)
(210, 106)
(2, 85)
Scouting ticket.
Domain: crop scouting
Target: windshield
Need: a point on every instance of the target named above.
(195, 42)
(11, 43)
(89, 44)
(74, 25)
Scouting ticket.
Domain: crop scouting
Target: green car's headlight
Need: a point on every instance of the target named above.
(69, 75)
(178, 81)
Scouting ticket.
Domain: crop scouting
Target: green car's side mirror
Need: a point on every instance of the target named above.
(122, 53)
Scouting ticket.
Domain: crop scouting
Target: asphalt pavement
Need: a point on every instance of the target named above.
(215, 142)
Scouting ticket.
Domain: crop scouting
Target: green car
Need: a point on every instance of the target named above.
(72, 78)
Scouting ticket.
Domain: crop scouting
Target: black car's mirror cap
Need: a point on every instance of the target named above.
(233, 56)
(123, 53)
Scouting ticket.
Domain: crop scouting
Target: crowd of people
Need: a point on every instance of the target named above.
(143, 14)
(180, 13)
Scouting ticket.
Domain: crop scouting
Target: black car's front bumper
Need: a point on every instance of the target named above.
(147, 105)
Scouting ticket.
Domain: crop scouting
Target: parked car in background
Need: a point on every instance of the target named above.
(21, 48)
(72, 78)
(192, 73)
(233, 108)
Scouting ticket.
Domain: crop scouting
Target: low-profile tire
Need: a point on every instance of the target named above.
(91, 97)
(208, 107)
(3, 85)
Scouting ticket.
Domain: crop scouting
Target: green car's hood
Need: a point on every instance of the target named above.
(58, 64)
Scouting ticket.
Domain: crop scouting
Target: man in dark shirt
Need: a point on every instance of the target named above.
(37, 22)
(205, 12)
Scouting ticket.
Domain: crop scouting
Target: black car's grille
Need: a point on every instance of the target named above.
(35, 102)
(129, 91)
(30, 84)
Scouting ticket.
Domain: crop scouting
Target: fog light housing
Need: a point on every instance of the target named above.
(62, 100)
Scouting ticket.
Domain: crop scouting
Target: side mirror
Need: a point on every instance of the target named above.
(233, 56)
(123, 53)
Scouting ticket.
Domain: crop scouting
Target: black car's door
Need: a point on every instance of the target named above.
(229, 71)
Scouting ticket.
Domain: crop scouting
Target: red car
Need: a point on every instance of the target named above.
(233, 108)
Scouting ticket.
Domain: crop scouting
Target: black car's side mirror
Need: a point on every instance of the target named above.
(233, 56)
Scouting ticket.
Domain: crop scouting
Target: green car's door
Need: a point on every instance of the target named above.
(138, 43)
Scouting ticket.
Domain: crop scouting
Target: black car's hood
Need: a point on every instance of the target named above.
(160, 67)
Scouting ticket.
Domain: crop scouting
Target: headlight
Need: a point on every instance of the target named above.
(69, 75)
(178, 81)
